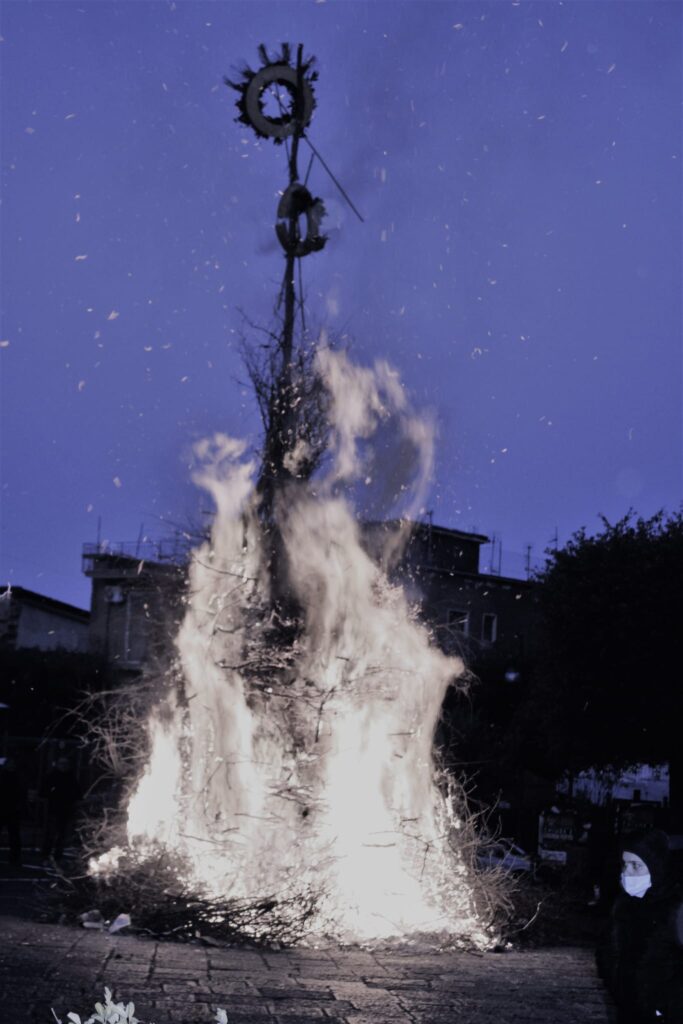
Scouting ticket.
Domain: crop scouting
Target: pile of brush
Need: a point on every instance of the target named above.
(150, 892)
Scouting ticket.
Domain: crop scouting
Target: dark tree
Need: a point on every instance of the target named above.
(607, 688)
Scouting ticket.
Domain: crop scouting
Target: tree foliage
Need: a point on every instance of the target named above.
(607, 688)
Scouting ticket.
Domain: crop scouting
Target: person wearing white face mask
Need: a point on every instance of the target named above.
(635, 875)
(641, 956)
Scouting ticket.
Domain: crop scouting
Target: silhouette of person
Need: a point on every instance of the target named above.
(641, 955)
(12, 801)
(62, 793)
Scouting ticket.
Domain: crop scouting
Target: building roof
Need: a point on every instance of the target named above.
(51, 604)
(416, 526)
(447, 531)
(491, 578)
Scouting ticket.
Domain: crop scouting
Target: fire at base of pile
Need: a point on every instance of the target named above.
(290, 762)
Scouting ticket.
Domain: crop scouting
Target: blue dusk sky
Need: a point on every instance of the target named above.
(518, 167)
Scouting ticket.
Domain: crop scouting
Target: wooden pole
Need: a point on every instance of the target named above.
(284, 397)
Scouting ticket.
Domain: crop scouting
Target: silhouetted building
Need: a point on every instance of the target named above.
(32, 621)
(469, 611)
(137, 592)
(45, 669)
(136, 596)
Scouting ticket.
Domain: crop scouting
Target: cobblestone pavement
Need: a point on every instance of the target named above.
(53, 966)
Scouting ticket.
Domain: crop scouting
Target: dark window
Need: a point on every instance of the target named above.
(489, 627)
(459, 620)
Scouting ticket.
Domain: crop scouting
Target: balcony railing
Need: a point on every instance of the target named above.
(173, 551)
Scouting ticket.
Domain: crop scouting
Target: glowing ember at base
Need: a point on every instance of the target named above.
(306, 766)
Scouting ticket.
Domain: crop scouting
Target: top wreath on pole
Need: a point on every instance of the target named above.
(273, 73)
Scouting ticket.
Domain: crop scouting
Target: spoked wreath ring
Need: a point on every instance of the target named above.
(299, 90)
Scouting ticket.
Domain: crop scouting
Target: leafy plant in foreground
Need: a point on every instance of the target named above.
(110, 1012)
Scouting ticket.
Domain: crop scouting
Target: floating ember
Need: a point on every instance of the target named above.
(307, 765)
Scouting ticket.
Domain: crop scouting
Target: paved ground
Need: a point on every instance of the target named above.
(54, 966)
(46, 966)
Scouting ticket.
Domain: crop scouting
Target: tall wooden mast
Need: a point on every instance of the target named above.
(299, 216)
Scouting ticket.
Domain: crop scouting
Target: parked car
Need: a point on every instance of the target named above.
(506, 855)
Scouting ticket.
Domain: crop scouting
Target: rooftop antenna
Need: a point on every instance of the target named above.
(495, 543)
(141, 537)
(528, 560)
(429, 513)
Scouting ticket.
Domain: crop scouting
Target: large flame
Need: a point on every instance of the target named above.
(310, 764)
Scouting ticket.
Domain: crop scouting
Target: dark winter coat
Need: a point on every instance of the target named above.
(641, 956)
